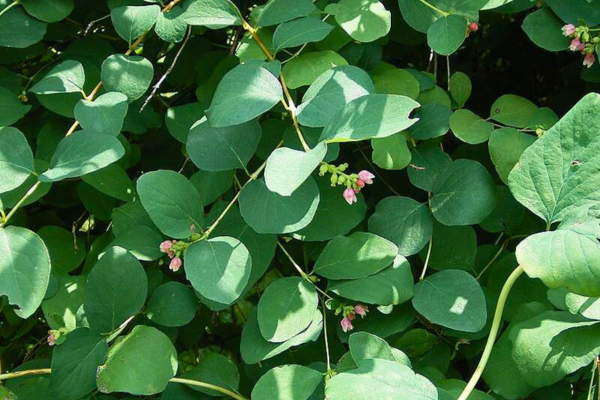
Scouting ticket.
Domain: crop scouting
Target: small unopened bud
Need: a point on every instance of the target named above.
(323, 169)
(473, 27)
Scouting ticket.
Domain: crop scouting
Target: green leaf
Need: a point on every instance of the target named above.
(306, 68)
(116, 290)
(172, 304)
(356, 256)
(172, 202)
(300, 31)
(453, 247)
(112, 181)
(214, 14)
(103, 115)
(74, 363)
(211, 185)
(363, 20)
(391, 152)
(370, 116)
(66, 77)
(397, 81)
(130, 215)
(130, 75)
(24, 269)
(67, 251)
(364, 346)
(447, 33)
(82, 153)
(430, 162)
(380, 379)
(544, 29)
(16, 159)
(244, 93)
(19, 30)
(470, 128)
(171, 26)
(464, 194)
(572, 11)
(223, 149)
(453, 299)
(560, 171)
(215, 369)
(403, 221)
(433, 121)
(513, 111)
(11, 109)
(278, 11)
(60, 310)
(218, 268)
(141, 241)
(268, 212)
(180, 119)
(254, 348)
(140, 364)
(391, 286)
(131, 22)
(460, 88)
(506, 146)
(288, 169)
(287, 382)
(417, 15)
(49, 11)
(331, 91)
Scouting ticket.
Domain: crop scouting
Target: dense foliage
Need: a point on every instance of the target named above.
(299, 200)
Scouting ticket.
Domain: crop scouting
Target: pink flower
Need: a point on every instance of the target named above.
(346, 324)
(361, 309)
(589, 60)
(175, 264)
(576, 45)
(360, 183)
(473, 27)
(165, 246)
(350, 196)
(51, 338)
(366, 176)
(568, 30)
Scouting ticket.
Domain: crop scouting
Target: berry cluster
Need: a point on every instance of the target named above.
(582, 42)
(353, 182)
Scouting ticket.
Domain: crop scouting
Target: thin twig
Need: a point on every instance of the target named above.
(94, 22)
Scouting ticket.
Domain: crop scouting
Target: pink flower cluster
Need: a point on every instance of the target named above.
(346, 322)
(167, 248)
(364, 178)
(577, 44)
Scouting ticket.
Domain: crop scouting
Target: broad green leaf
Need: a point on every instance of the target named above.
(286, 308)
(397, 81)
(330, 92)
(116, 290)
(10, 199)
(370, 116)
(218, 268)
(67, 251)
(214, 14)
(112, 181)
(244, 93)
(508, 215)
(506, 146)
(464, 194)
(572, 11)
(453, 299)
(560, 171)
(141, 241)
(288, 382)
(300, 31)
(130, 75)
(460, 88)
(16, 159)
(254, 348)
(211, 185)
(417, 15)
(19, 30)
(171, 26)
(172, 304)
(24, 269)
(306, 68)
(49, 11)
(140, 364)
(268, 212)
(454, 388)
(334, 215)
(215, 369)
(435, 95)
(11, 109)
(544, 29)
(447, 33)
(356, 256)
(380, 379)
(61, 309)
(278, 11)
(249, 49)
(397, 320)
(66, 77)
(74, 363)
(180, 119)
(470, 128)
(172, 202)
(453, 247)
(429, 163)
(82, 153)
(288, 169)
(130, 215)
(363, 20)
(403, 221)
(131, 22)
(433, 121)
(391, 152)
(364, 346)
(103, 115)
(513, 110)
(391, 286)
(589, 307)
(223, 149)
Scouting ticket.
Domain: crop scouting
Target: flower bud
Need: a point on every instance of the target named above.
(323, 169)
(361, 309)
(175, 264)
(366, 176)
(473, 27)
(334, 179)
(346, 324)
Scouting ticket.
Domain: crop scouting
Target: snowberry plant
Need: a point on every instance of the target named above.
(299, 200)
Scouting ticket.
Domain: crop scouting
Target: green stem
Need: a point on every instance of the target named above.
(303, 274)
(16, 207)
(328, 358)
(427, 259)
(8, 7)
(493, 332)
(442, 12)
